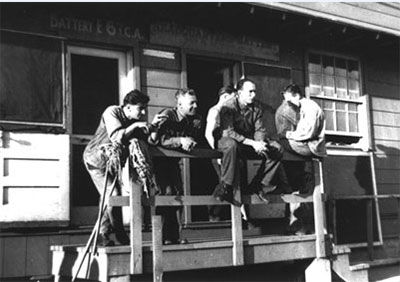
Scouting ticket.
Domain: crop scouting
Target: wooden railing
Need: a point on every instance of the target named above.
(135, 200)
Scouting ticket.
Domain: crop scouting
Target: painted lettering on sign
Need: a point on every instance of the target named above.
(214, 41)
(98, 27)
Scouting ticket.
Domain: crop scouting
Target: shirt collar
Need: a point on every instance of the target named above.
(179, 115)
(242, 106)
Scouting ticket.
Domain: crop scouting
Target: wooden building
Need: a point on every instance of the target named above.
(62, 64)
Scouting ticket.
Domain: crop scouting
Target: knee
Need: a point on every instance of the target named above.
(228, 144)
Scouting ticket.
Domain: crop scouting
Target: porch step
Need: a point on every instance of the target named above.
(115, 261)
(341, 266)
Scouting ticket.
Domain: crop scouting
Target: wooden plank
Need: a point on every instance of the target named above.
(370, 235)
(236, 219)
(157, 248)
(387, 149)
(55, 240)
(2, 257)
(195, 153)
(203, 200)
(388, 189)
(37, 255)
(136, 256)
(385, 104)
(387, 176)
(14, 251)
(386, 132)
(161, 78)
(385, 118)
(161, 97)
(160, 58)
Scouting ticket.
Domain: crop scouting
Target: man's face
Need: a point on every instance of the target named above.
(292, 98)
(187, 105)
(247, 93)
(226, 96)
(135, 112)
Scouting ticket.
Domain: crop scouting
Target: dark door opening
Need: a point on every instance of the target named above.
(95, 86)
(206, 76)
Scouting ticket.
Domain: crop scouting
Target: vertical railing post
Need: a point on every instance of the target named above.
(237, 232)
(135, 222)
(157, 248)
(319, 215)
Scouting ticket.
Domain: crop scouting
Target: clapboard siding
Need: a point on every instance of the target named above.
(387, 176)
(157, 58)
(386, 118)
(387, 162)
(37, 255)
(385, 104)
(387, 148)
(385, 189)
(390, 225)
(162, 97)
(14, 257)
(30, 255)
(161, 78)
(386, 132)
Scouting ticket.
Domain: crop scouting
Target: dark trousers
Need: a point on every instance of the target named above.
(269, 175)
(112, 218)
(169, 180)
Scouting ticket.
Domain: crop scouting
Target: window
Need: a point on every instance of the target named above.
(30, 80)
(334, 83)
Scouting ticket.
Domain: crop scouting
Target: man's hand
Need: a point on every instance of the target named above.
(188, 143)
(158, 120)
(260, 147)
(143, 125)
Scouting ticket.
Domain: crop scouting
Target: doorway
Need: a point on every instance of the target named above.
(206, 76)
(97, 79)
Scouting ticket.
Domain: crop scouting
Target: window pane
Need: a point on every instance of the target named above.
(315, 84)
(329, 120)
(31, 79)
(341, 87)
(353, 69)
(341, 121)
(329, 86)
(340, 67)
(327, 63)
(353, 122)
(328, 105)
(354, 89)
(314, 63)
(352, 107)
(340, 106)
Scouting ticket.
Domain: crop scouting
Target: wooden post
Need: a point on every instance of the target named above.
(157, 248)
(319, 215)
(237, 232)
(398, 222)
(135, 206)
(370, 231)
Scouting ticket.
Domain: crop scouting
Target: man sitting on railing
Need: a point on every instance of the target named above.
(181, 130)
(244, 135)
(108, 150)
(300, 125)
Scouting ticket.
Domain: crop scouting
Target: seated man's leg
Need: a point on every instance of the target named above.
(168, 178)
(229, 167)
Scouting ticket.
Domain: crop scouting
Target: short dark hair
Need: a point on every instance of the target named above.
(293, 88)
(135, 97)
(240, 83)
(184, 91)
(226, 89)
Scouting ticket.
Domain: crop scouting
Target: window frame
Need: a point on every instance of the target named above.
(359, 102)
(62, 58)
